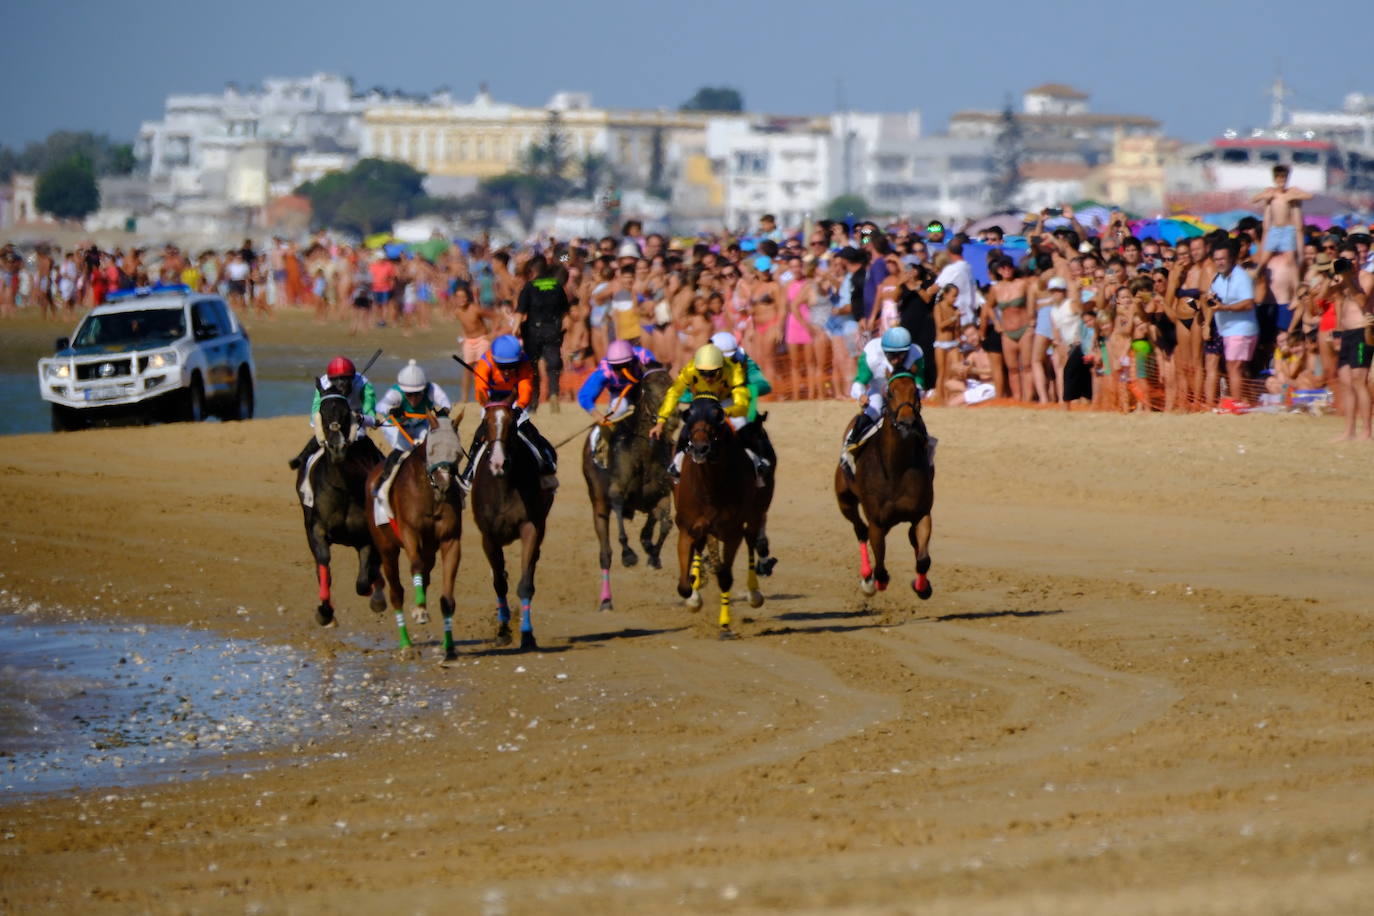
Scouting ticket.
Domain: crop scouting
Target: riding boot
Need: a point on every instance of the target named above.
(311, 448)
(861, 426)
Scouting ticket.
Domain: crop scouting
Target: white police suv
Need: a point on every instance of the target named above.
(155, 353)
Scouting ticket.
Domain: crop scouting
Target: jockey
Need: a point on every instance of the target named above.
(881, 358)
(405, 410)
(505, 374)
(753, 376)
(619, 373)
(341, 377)
(709, 375)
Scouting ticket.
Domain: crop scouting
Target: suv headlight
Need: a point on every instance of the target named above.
(58, 370)
(162, 360)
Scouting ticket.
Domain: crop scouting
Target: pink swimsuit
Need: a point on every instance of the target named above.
(797, 334)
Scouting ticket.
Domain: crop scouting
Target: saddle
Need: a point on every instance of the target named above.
(307, 490)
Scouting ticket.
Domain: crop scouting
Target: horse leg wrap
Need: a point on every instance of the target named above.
(921, 583)
(448, 633)
(525, 625)
(503, 611)
(419, 582)
(753, 576)
(696, 571)
(324, 582)
(724, 609)
(865, 567)
(401, 627)
(605, 585)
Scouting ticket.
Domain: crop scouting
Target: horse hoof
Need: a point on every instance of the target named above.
(868, 587)
(408, 653)
(922, 593)
(765, 565)
(726, 634)
(881, 583)
(629, 558)
(654, 562)
(324, 615)
(606, 605)
(527, 643)
(693, 601)
(419, 615)
(450, 655)
(378, 602)
(756, 599)
(502, 636)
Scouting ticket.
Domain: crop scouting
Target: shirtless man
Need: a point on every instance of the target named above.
(1354, 305)
(42, 282)
(1283, 231)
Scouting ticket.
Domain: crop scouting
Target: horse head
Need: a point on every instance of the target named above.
(903, 406)
(500, 422)
(705, 426)
(442, 450)
(336, 421)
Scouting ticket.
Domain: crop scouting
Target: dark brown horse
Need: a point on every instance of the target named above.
(508, 504)
(426, 504)
(339, 511)
(718, 496)
(893, 483)
(635, 480)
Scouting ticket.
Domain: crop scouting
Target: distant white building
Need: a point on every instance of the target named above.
(227, 151)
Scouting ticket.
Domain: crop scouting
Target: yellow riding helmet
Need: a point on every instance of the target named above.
(708, 358)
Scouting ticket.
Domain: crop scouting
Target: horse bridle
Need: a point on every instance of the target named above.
(914, 404)
(334, 395)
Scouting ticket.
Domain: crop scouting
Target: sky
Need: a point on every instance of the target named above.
(1199, 66)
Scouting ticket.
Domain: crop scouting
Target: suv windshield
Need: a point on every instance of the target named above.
(124, 328)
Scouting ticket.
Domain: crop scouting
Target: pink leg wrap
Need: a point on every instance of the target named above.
(605, 585)
(865, 567)
(324, 581)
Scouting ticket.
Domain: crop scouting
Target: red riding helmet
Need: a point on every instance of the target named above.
(341, 367)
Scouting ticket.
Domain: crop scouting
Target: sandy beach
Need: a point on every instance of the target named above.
(1144, 685)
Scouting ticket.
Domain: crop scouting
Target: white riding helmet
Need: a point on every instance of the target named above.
(412, 378)
(726, 343)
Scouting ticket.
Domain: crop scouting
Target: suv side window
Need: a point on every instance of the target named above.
(205, 322)
(222, 317)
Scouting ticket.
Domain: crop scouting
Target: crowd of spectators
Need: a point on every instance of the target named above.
(1051, 316)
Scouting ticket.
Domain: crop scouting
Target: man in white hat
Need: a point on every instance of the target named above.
(404, 413)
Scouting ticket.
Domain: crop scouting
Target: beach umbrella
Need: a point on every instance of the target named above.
(431, 249)
(1009, 223)
(394, 249)
(1227, 219)
(1165, 230)
(377, 240)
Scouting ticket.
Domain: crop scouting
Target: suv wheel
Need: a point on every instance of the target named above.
(242, 408)
(64, 419)
(193, 407)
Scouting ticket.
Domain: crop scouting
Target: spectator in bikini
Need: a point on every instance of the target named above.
(946, 338)
(766, 312)
(797, 332)
(1007, 300)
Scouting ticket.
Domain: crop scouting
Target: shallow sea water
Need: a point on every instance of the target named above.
(94, 703)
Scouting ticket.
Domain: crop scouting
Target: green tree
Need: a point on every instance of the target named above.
(593, 170)
(846, 205)
(68, 190)
(1007, 153)
(519, 191)
(367, 198)
(714, 98)
(105, 156)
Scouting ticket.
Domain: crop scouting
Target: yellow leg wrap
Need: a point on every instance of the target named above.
(753, 577)
(696, 571)
(724, 609)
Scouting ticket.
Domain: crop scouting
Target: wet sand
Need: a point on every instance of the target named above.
(1144, 685)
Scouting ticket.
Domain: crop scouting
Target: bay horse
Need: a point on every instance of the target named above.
(717, 496)
(635, 480)
(508, 504)
(339, 512)
(893, 482)
(426, 504)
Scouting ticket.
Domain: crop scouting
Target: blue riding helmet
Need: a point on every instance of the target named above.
(506, 349)
(896, 340)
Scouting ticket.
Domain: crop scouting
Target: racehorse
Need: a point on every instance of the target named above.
(508, 504)
(339, 512)
(426, 504)
(893, 482)
(635, 480)
(718, 496)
